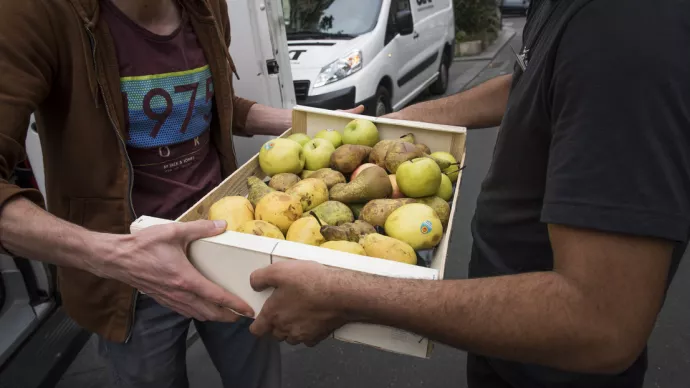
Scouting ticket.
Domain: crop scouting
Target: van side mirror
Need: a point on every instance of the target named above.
(404, 23)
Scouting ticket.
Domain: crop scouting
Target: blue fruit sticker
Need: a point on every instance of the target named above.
(426, 227)
(268, 146)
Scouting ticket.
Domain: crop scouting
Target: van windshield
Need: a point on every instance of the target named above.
(329, 19)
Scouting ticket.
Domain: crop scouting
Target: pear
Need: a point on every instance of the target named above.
(261, 228)
(311, 192)
(348, 157)
(257, 189)
(454, 169)
(306, 174)
(388, 248)
(283, 181)
(423, 147)
(279, 209)
(329, 176)
(416, 224)
(306, 230)
(378, 154)
(399, 153)
(345, 246)
(445, 189)
(351, 231)
(372, 183)
(441, 207)
(234, 210)
(356, 209)
(375, 212)
(332, 213)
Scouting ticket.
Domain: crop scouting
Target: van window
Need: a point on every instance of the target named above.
(320, 19)
(391, 30)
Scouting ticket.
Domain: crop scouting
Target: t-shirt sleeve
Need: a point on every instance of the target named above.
(619, 103)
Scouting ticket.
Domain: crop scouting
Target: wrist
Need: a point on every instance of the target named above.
(105, 251)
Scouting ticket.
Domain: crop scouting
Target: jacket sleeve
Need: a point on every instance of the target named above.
(27, 64)
(241, 106)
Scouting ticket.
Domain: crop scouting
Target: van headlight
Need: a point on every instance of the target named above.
(339, 69)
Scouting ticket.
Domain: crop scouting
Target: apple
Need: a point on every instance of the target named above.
(419, 177)
(451, 171)
(360, 169)
(301, 138)
(396, 189)
(317, 154)
(445, 189)
(331, 135)
(361, 132)
(281, 155)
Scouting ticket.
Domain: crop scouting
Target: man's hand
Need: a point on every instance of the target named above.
(154, 261)
(301, 309)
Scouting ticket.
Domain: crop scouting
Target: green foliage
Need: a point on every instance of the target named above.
(476, 19)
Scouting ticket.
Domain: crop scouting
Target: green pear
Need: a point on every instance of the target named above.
(332, 213)
(419, 177)
(445, 189)
(281, 155)
(257, 190)
(453, 170)
(301, 138)
(372, 183)
(331, 135)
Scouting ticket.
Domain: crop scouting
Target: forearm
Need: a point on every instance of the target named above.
(536, 318)
(265, 120)
(31, 232)
(480, 107)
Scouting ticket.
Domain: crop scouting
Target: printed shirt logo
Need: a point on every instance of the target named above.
(426, 227)
(167, 109)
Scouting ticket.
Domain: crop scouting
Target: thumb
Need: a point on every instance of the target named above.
(262, 278)
(195, 230)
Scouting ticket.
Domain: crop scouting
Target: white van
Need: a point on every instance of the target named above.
(380, 53)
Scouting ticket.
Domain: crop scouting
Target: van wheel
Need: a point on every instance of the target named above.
(383, 102)
(441, 84)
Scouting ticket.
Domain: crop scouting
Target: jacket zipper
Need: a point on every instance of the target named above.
(129, 168)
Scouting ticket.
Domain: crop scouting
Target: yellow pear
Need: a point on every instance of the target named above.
(279, 209)
(345, 246)
(311, 192)
(306, 230)
(388, 248)
(416, 224)
(261, 228)
(234, 210)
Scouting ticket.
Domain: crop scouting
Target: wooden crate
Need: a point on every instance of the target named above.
(229, 258)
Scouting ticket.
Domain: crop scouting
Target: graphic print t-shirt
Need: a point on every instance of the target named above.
(167, 90)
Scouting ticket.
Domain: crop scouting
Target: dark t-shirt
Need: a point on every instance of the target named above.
(596, 135)
(167, 88)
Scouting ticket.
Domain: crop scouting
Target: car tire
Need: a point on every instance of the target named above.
(440, 86)
(382, 104)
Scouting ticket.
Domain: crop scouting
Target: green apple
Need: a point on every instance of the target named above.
(453, 169)
(317, 154)
(445, 189)
(419, 177)
(301, 138)
(281, 155)
(331, 135)
(361, 132)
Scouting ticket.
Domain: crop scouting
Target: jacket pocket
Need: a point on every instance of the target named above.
(99, 215)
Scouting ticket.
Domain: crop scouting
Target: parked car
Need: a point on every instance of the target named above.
(515, 6)
(380, 53)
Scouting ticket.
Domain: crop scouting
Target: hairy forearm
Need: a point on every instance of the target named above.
(480, 107)
(28, 231)
(533, 318)
(265, 120)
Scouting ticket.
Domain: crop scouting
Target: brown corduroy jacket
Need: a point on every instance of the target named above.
(57, 60)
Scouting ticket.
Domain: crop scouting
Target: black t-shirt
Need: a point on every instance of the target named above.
(596, 135)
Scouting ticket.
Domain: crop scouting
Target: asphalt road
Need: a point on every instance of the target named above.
(335, 364)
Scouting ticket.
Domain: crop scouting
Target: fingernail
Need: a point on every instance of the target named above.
(220, 224)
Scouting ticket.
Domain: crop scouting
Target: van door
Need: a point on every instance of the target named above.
(403, 49)
(259, 50)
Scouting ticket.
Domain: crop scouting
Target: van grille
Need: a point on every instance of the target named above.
(301, 90)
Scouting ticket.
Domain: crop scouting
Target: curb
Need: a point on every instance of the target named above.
(507, 33)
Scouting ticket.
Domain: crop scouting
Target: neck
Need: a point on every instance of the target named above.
(149, 13)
